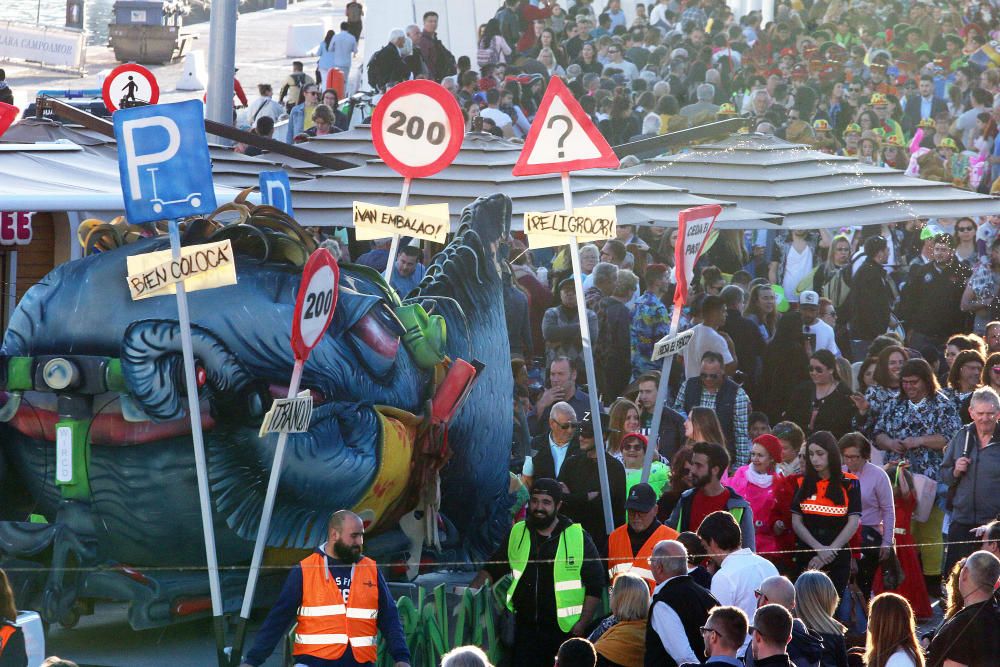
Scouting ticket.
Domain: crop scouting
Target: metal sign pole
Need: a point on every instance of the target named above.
(221, 61)
(394, 248)
(265, 525)
(194, 410)
(588, 359)
(661, 398)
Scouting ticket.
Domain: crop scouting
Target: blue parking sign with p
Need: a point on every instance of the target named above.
(276, 191)
(163, 161)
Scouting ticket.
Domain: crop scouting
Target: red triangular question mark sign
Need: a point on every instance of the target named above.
(562, 137)
(8, 114)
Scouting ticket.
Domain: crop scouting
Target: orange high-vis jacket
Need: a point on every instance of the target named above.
(326, 625)
(6, 632)
(621, 560)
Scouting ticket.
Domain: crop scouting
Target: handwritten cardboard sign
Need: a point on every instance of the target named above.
(596, 223)
(670, 345)
(288, 415)
(200, 267)
(430, 222)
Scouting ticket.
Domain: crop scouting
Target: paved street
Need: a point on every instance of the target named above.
(260, 55)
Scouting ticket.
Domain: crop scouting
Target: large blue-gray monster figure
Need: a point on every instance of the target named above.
(85, 366)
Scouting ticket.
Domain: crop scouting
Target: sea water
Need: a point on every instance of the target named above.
(96, 16)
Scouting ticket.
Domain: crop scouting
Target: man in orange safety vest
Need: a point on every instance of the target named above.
(340, 602)
(631, 545)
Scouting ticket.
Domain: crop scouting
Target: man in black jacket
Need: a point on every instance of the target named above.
(770, 633)
(387, 67)
(924, 105)
(806, 646)
(871, 296)
(550, 450)
(746, 336)
(539, 546)
(929, 304)
(613, 351)
(582, 499)
(677, 612)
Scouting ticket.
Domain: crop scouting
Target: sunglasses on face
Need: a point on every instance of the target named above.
(966, 229)
(633, 447)
(565, 426)
(816, 369)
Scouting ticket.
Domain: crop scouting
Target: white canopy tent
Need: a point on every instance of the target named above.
(483, 166)
(810, 189)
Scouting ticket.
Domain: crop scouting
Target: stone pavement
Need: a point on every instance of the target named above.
(260, 56)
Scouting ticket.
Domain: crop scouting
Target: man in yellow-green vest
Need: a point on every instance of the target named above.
(557, 577)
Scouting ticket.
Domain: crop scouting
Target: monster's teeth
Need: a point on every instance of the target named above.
(9, 408)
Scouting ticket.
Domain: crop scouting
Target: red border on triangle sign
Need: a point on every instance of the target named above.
(607, 158)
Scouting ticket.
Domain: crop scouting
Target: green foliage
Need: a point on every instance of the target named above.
(439, 622)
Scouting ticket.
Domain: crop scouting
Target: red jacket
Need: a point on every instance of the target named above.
(528, 15)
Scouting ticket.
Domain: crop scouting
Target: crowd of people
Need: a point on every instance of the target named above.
(829, 429)
(826, 464)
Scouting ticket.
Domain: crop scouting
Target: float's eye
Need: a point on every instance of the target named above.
(384, 316)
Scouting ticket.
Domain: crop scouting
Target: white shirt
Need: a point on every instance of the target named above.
(626, 67)
(797, 266)
(500, 118)
(900, 659)
(668, 626)
(825, 337)
(558, 454)
(739, 577)
(705, 339)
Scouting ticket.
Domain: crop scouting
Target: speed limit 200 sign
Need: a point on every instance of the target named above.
(316, 302)
(418, 128)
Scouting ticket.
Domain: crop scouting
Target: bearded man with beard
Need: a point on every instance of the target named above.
(340, 602)
(557, 574)
(709, 462)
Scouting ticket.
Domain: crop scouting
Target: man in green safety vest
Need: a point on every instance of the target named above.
(556, 574)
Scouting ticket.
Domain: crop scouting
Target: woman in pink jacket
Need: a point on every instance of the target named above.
(757, 482)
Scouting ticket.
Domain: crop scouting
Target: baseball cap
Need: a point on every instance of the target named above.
(549, 487)
(641, 497)
(808, 298)
(678, 53)
(587, 424)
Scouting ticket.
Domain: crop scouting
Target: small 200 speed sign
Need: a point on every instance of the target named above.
(316, 302)
(417, 128)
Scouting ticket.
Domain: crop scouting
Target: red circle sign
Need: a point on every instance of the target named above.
(418, 128)
(315, 303)
(129, 82)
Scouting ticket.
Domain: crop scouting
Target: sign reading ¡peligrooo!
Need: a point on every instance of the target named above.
(201, 266)
(594, 223)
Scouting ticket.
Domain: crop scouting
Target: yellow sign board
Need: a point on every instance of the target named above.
(200, 267)
(430, 222)
(545, 230)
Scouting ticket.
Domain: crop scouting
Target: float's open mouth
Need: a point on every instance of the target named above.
(36, 417)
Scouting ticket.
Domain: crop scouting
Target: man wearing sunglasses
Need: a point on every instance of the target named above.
(712, 389)
(724, 632)
(550, 450)
(806, 647)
